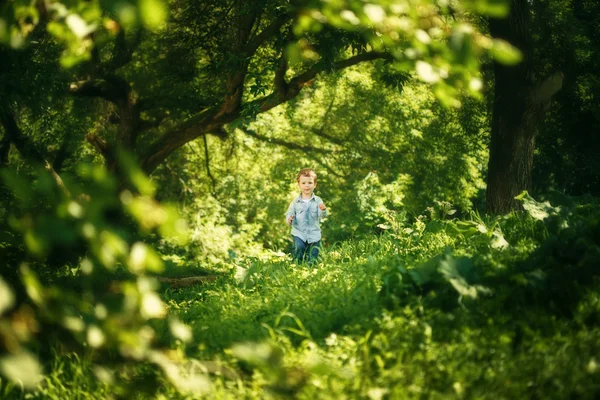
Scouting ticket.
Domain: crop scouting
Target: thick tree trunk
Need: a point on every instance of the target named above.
(511, 150)
(519, 105)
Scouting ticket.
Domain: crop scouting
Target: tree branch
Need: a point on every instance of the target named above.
(117, 91)
(309, 154)
(4, 149)
(99, 144)
(279, 82)
(234, 85)
(298, 82)
(155, 123)
(321, 130)
(122, 52)
(289, 145)
(327, 167)
(198, 125)
(26, 147)
(338, 65)
(266, 34)
(62, 154)
(103, 88)
(212, 119)
(207, 161)
(14, 134)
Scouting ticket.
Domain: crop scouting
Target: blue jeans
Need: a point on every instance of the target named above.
(304, 249)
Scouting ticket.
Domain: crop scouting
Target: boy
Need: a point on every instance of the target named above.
(304, 215)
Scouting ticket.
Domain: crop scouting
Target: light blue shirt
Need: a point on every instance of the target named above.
(307, 216)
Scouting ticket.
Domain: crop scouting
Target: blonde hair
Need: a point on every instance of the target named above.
(309, 172)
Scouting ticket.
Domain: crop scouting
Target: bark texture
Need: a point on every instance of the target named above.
(519, 105)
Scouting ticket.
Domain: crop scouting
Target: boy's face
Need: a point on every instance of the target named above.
(307, 185)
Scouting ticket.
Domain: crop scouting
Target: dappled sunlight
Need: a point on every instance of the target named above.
(439, 242)
(386, 308)
(325, 298)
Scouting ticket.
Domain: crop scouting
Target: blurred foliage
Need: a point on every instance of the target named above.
(416, 295)
(436, 40)
(76, 274)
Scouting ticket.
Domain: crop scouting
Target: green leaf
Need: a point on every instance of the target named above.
(180, 330)
(505, 53)
(32, 285)
(152, 306)
(3, 31)
(492, 8)
(538, 211)
(69, 60)
(23, 368)
(95, 336)
(79, 26)
(425, 272)
(153, 13)
(426, 72)
(127, 14)
(497, 241)
(259, 354)
(454, 271)
(7, 298)
(36, 244)
(20, 187)
(135, 174)
(143, 257)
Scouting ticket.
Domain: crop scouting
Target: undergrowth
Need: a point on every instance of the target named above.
(486, 308)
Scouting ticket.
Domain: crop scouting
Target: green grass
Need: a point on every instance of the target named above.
(434, 311)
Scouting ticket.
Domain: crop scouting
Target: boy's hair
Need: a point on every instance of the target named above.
(306, 172)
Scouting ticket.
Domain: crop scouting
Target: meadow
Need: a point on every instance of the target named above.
(477, 308)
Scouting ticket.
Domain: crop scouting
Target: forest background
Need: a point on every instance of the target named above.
(148, 141)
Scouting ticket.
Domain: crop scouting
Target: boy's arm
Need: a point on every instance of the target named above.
(290, 213)
(322, 213)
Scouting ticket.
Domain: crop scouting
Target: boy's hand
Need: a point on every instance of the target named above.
(290, 219)
(322, 206)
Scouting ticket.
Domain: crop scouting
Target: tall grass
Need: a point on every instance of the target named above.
(489, 308)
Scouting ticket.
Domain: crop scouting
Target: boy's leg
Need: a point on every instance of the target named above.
(299, 248)
(313, 251)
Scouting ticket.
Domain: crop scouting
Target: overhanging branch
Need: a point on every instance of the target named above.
(269, 32)
(99, 144)
(102, 88)
(298, 82)
(286, 144)
(338, 65)
(116, 90)
(212, 119)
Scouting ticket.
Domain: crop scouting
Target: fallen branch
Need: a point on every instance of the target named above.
(188, 281)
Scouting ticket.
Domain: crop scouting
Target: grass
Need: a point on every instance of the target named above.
(387, 317)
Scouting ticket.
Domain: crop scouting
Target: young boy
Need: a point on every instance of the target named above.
(304, 214)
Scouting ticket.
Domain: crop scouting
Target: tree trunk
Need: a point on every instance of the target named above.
(519, 106)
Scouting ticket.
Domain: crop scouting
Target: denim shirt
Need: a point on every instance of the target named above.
(307, 216)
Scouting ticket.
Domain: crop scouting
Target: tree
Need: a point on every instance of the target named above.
(219, 63)
(568, 146)
(521, 99)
